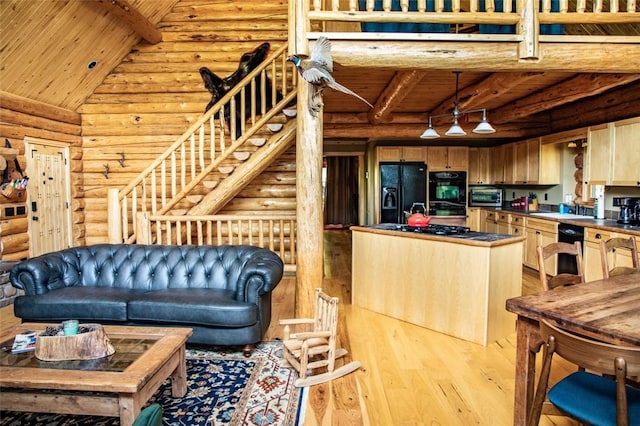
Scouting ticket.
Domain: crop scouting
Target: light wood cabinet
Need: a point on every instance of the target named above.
(497, 164)
(473, 218)
(454, 288)
(596, 168)
(540, 233)
(526, 162)
(479, 171)
(517, 227)
(402, 153)
(592, 261)
(535, 163)
(613, 155)
(503, 221)
(482, 224)
(491, 222)
(625, 153)
(448, 158)
(502, 164)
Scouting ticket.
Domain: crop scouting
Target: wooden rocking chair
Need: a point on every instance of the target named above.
(316, 346)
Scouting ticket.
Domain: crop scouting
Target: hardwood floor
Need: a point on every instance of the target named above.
(410, 375)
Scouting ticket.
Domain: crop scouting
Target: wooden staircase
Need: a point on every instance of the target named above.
(208, 165)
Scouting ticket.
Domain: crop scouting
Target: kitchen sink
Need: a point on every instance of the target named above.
(556, 215)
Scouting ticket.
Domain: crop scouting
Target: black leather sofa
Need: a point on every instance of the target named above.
(222, 292)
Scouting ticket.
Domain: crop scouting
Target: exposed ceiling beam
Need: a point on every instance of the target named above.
(129, 14)
(613, 105)
(570, 90)
(498, 56)
(475, 95)
(412, 130)
(394, 93)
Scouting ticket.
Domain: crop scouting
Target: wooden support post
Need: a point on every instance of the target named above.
(530, 29)
(309, 204)
(114, 231)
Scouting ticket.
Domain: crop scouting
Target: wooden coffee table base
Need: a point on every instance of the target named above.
(100, 393)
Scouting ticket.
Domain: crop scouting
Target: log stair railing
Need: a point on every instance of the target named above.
(209, 164)
(276, 232)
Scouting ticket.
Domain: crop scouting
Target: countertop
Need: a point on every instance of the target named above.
(589, 222)
(470, 238)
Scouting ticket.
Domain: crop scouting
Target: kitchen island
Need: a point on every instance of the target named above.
(453, 284)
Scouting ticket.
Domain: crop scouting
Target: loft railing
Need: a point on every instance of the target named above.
(203, 148)
(569, 11)
(472, 20)
(526, 17)
(274, 232)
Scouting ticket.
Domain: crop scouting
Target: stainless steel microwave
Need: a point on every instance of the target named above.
(485, 197)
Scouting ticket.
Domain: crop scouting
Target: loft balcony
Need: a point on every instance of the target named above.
(531, 25)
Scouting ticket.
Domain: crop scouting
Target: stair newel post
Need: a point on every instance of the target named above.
(143, 228)
(114, 228)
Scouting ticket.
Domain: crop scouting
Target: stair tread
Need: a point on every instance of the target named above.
(241, 155)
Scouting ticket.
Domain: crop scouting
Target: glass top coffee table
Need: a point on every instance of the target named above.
(118, 385)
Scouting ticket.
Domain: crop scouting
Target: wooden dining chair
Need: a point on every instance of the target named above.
(610, 251)
(598, 396)
(313, 345)
(549, 281)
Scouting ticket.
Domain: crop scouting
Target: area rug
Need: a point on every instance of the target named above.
(224, 388)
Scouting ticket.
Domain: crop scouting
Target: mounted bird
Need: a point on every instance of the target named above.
(317, 70)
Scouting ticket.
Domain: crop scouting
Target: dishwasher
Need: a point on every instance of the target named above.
(567, 263)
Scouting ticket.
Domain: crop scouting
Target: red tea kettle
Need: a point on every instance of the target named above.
(416, 218)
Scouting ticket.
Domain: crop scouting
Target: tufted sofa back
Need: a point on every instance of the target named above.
(143, 267)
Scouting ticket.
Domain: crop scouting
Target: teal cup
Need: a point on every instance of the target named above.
(70, 327)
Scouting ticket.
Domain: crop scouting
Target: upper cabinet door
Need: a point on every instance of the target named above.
(448, 158)
(625, 153)
(598, 163)
(458, 158)
(479, 171)
(402, 153)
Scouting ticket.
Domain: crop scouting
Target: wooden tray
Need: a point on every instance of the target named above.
(89, 345)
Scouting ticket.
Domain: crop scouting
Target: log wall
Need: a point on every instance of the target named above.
(156, 93)
(20, 117)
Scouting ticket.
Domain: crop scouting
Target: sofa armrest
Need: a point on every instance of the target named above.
(35, 276)
(260, 274)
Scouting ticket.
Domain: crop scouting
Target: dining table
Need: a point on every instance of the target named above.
(607, 310)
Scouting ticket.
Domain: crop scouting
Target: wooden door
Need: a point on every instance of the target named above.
(49, 196)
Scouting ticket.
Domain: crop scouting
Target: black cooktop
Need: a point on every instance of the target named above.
(436, 229)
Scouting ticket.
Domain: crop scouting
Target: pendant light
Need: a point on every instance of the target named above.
(455, 130)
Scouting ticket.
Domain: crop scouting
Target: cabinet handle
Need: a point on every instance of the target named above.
(598, 236)
(538, 232)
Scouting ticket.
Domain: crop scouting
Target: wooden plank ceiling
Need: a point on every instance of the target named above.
(58, 52)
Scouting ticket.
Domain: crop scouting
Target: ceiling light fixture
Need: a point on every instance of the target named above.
(455, 130)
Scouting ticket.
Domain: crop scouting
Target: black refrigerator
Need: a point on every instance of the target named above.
(402, 184)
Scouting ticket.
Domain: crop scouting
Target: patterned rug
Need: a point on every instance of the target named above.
(224, 388)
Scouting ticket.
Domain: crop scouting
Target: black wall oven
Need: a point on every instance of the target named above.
(447, 193)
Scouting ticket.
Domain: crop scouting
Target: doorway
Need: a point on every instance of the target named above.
(342, 183)
(49, 196)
